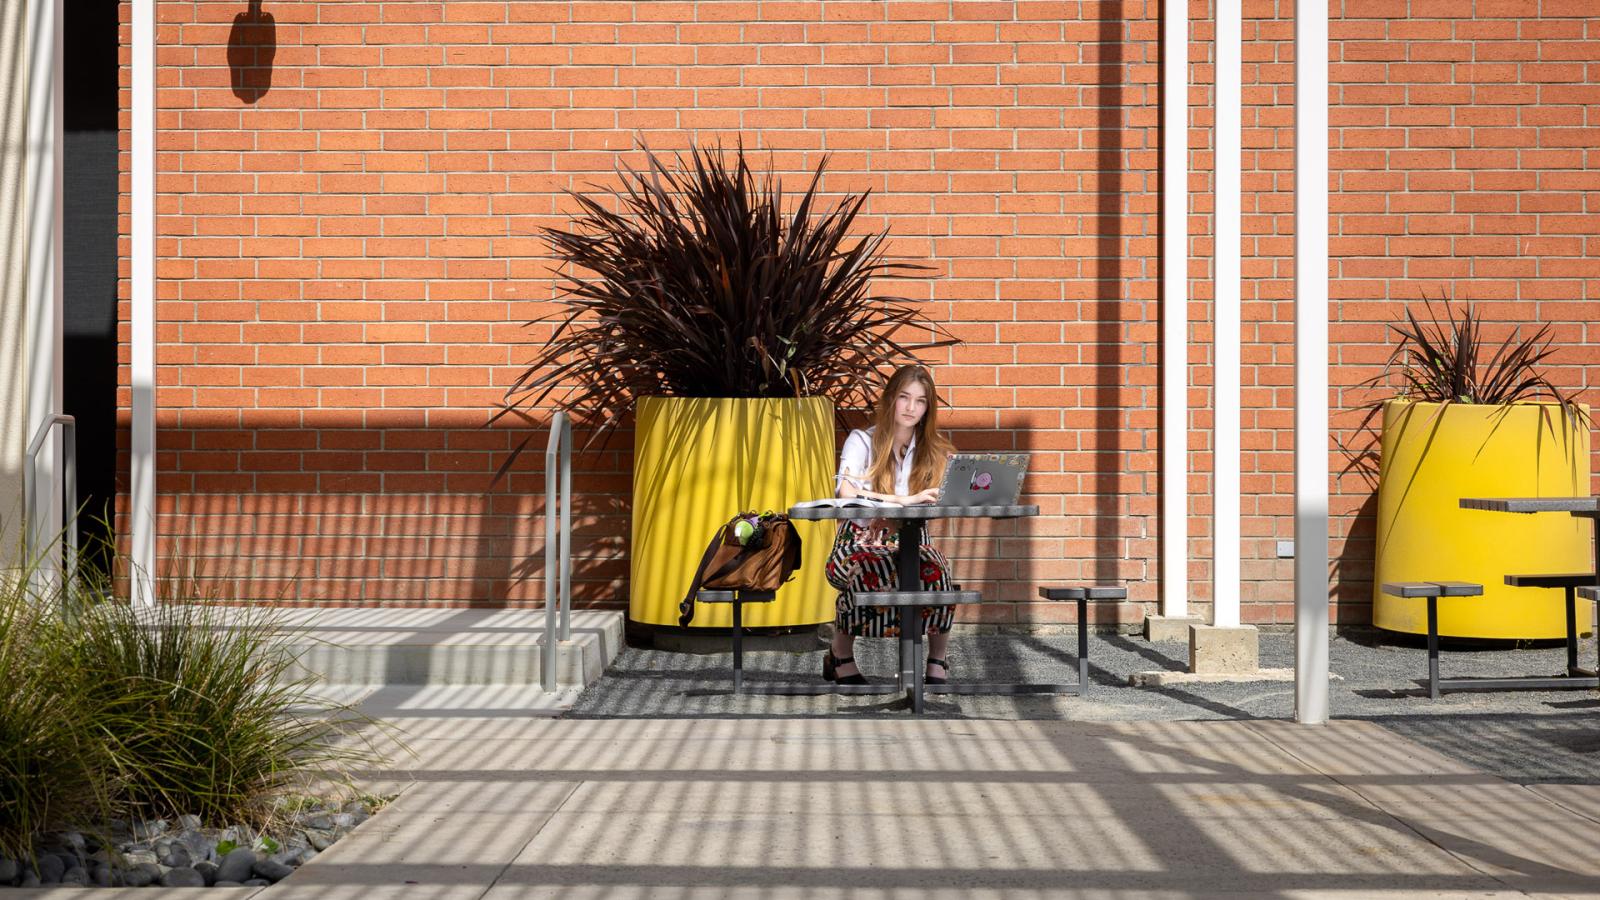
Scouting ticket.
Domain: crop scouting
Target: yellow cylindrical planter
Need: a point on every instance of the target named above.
(699, 461)
(1434, 455)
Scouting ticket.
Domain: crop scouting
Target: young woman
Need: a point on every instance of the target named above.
(900, 459)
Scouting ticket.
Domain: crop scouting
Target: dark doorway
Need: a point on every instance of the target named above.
(89, 255)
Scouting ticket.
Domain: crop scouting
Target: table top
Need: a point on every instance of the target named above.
(1578, 506)
(920, 511)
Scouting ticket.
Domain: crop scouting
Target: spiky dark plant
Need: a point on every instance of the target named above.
(1440, 361)
(692, 280)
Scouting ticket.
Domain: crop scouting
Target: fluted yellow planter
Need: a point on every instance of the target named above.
(1433, 457)
(697, 462)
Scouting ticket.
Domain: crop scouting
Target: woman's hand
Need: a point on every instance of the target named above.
(931, 495)
(876, 534)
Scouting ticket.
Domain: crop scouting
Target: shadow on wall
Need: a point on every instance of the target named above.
(252, 43)
(400, 512)
(403, 512)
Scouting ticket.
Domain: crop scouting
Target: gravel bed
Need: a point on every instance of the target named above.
(183, 853)
(1521, 736)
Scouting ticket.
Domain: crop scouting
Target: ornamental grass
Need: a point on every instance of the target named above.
(186, 706)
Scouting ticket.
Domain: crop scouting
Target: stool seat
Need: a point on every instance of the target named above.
(916, 598)
(1432, 589)
(1087, 592)
(744, 596)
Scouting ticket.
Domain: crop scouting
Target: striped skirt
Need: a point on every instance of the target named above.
(856, 566)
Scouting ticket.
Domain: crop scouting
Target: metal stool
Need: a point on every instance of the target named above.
(738, 598)
(1083, 595)
(1433, 590)
(1570, 583)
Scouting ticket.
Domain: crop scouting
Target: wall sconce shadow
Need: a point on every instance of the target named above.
(252, 43)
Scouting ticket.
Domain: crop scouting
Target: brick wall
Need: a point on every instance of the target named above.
(347, 260)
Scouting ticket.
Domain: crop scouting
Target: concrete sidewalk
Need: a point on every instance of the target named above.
(501, 807)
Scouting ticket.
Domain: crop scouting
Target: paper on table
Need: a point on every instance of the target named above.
(846, 503)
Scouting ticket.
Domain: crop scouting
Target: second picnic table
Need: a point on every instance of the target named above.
(1580, 507)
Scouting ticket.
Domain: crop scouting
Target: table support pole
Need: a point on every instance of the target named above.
(738, 645)
(1571, 596)
(908, 565)
(1433, 648)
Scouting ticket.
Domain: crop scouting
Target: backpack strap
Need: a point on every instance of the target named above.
(686, 606)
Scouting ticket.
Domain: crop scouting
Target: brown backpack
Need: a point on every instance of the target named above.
(762, 564)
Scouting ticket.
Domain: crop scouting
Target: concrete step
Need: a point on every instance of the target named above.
(365, 646)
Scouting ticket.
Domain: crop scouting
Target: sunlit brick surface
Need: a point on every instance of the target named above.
(347, 259)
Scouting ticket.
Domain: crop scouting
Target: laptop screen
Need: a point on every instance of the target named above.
(983, 479)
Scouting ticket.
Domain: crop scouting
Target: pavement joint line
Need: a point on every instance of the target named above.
(576, 786)
(1554, 801)
(1423, 832)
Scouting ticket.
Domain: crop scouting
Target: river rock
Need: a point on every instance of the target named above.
(236, 865)
(142, 875)
(176, 857)
(182, 878)
(75, 876)
(189, 823)
(271, 870)
(51, 867)
(320, 839)
(9, 870)
(29, 879)
(200, 846)
(208, 871)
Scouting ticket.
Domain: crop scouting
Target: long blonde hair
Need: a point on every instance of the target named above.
(933, 448)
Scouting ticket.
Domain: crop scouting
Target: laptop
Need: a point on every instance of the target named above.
(983, 479)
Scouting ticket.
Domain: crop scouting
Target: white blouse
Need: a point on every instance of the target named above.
(855, 461)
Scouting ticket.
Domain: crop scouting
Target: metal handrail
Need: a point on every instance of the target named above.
(560, 442)
(30, 486)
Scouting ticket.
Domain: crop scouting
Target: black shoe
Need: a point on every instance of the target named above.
(935, 679)
(830, 667)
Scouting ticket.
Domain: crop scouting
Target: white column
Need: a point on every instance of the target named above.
(142, 228)
(1311, 362)
(45, 314)
(1175, 308)
(1225, 355)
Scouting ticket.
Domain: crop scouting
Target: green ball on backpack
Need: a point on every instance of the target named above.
(743, 531)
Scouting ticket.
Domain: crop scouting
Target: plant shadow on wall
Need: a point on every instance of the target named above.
(252, 44)
(388, 507)
(1438, 364)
